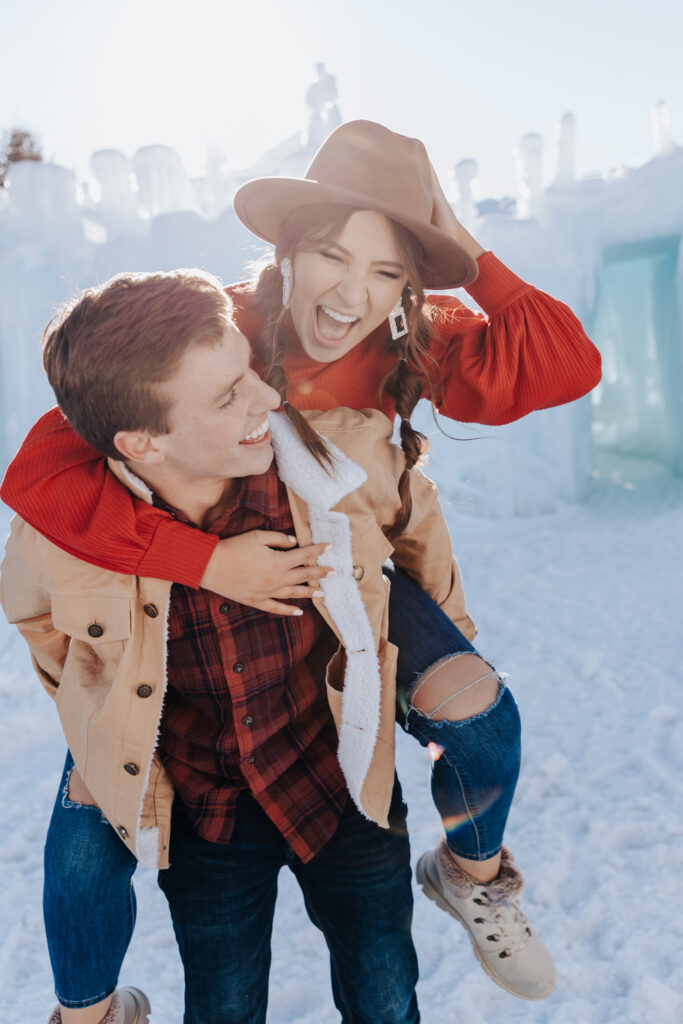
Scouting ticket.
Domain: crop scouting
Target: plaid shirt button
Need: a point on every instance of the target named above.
(247, 720)
(224, 608)
(238, 666)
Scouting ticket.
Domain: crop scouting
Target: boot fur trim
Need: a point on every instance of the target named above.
(507, 884)
(114, 1015)
(116, 1012)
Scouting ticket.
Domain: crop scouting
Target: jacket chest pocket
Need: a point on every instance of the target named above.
(94, 620)
(99, 628)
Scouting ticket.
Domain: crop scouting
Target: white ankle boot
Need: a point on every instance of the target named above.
(508, 948)
(128, 1006)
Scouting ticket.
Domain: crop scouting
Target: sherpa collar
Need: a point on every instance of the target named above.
(343, 604)
(321, 488)
(126, 476)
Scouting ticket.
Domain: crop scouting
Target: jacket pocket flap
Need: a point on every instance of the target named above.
(94, 619)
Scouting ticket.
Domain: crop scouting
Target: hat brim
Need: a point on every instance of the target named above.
(264, 204)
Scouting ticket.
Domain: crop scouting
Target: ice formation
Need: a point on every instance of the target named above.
(608, 246)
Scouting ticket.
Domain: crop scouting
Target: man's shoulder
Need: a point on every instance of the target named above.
(24, 539)
(365, 436)
(345, 423)
(33, 559)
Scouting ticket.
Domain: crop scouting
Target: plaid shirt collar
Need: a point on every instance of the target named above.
(261, 494)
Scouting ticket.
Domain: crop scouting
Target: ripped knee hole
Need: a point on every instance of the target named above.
(456, 688)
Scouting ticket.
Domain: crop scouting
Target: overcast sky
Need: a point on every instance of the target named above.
(468, 78)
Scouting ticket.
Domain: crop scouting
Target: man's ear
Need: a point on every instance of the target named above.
(139, 446)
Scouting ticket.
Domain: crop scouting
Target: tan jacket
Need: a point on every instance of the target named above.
(98, 644)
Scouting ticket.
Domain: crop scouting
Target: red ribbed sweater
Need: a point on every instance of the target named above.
(528, 352)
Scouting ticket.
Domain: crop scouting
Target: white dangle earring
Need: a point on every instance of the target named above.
(286, 271)
(398, 322)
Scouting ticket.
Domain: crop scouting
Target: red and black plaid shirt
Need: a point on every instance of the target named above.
(246, 706)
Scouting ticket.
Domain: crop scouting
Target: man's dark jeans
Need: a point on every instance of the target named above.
(357, 892)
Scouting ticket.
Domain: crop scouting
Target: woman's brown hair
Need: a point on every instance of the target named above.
(321, 223)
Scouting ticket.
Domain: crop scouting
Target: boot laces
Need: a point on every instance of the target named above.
(508, 923)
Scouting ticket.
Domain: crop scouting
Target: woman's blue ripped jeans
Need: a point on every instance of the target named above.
(475, 774)
(88, 900)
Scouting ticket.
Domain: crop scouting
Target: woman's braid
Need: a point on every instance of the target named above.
(405, 387)
(276, 377)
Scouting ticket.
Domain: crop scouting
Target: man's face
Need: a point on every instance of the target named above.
(217, 414)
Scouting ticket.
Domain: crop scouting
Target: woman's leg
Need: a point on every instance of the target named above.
(88, 903)
(455, 704)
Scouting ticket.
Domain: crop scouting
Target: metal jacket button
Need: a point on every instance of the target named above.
(122, 831)
(144, 690)
(358, 572)
(151, 610)
(95, 630)
(131, 768)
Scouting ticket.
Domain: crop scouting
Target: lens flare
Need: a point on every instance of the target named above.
(455, 822)
(452, 823)
(435, 750)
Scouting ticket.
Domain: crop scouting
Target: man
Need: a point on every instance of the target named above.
(164, 691)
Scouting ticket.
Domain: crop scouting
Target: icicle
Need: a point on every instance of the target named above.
(565, 150)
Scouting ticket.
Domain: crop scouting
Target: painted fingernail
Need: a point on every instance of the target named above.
(318, 593)
(292, 540)
(332, 572)
(298, 611)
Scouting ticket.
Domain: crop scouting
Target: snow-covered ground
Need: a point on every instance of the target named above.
(583, 609)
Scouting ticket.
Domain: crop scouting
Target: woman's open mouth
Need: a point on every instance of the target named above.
(331, 326)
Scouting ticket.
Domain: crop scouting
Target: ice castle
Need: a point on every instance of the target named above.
(608, 246)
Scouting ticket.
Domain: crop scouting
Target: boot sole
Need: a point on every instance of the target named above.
(432, 892)
(143, 1007)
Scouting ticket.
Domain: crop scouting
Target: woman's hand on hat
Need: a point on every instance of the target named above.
(444, 219)
(251, 569)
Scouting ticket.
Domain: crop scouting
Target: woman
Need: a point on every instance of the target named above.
(357, 241)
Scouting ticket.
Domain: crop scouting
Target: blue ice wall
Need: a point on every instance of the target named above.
(638, 407)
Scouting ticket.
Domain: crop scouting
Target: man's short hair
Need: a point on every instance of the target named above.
(106, 352)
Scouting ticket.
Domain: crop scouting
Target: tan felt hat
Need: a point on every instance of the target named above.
(365, 165)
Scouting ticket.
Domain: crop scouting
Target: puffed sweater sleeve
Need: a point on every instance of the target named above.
(526, 351)
(62, 487)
